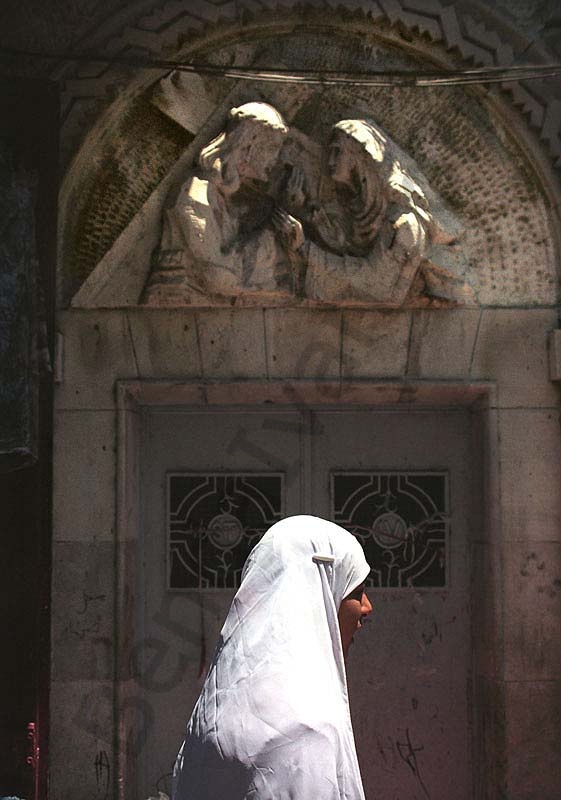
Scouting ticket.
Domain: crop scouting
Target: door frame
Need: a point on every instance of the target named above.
(132, 714)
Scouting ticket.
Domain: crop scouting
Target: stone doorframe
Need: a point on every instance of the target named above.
(135, 398)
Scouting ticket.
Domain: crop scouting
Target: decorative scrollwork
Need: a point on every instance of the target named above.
(402, 521)
(214, 521)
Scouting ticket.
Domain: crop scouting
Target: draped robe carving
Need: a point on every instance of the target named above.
(272, 217)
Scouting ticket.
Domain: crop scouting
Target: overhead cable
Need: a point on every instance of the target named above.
(324, 77)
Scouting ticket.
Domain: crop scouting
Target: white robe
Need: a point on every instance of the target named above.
(272, 721)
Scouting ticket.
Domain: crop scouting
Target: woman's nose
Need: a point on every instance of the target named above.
(366, 604)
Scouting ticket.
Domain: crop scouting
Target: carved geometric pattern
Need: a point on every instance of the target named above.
(402, 521)
(451, 24)
(214, 520)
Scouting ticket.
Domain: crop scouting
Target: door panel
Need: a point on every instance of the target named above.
(225, 453)
(408, 668)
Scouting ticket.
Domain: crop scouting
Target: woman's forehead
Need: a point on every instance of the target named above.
(357, 593)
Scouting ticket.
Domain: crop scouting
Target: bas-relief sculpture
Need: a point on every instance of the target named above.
(270, 217)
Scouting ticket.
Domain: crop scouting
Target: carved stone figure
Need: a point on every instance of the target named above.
(267, 219)
(218, 242)
(372, 243)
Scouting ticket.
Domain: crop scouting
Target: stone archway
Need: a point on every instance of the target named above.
(497, 181)
(106, 185)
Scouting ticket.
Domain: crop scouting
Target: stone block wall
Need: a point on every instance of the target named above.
(516, 552)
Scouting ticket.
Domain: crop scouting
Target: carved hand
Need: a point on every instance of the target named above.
(289, 228)
(295, 188)
(331, 233)
(409, 235)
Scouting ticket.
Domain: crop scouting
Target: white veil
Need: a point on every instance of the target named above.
(272, 721)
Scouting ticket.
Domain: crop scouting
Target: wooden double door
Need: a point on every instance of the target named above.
(212, 482)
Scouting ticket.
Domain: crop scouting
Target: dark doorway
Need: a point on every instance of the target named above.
(29, 139)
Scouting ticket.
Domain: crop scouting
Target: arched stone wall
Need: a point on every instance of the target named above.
(470, 144)
(479, 33)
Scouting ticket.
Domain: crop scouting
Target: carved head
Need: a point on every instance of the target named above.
(360, 152)
(357, 146)
(259, 112)
(360, 162)
(364, 160)
(247, 150)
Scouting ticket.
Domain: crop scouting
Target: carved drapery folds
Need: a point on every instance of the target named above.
(270, 216)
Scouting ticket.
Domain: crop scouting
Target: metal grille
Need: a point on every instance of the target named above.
(214, 520)
(401, 520)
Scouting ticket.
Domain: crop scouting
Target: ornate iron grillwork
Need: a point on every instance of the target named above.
(214, 521)
(401, 520)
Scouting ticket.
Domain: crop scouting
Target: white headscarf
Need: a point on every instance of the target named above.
(272, 721)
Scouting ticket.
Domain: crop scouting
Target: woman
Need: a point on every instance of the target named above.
(374, 242)
(272, 721)
(218, 242)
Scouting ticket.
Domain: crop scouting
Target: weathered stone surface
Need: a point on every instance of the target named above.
(424, 393)
(128, 511)
(248, 393)
(554, 345)
(375, 343)
(442, 343)
(511, 348)
(82, 623)
(532, 575)
(487, 487)
(84, 475)
(487, 609)
(533, 719)
(489, 756)
(298, 392)
(232, 343)
(183, 97)
(165, 343)
(81, 759)
(530, 465)
(119, 277)
(97, 350)
(365, 393)
(161, 393)
(303, 343)
(141, 147)
(129, 569)
(263, 221)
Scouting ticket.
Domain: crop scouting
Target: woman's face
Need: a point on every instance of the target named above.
(339, 160)
(352, 611)
(258, 154)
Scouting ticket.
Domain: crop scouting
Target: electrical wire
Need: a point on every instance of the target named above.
(324, 77)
